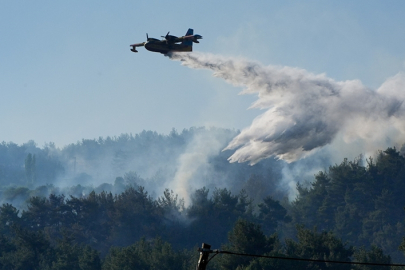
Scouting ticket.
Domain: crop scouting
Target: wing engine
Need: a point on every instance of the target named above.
(170, 39)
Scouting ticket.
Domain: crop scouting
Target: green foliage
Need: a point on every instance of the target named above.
(246, 237)
(374, 255)
(318, 246)
(153, 255)
(271, 213)
(30, 169)
(220, 211)
(70, 255)
(170, 201)
(25, 249)
(354, 202)
(8, 218)
(358, 203)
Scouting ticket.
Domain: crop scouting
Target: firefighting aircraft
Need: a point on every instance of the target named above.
(169, 43)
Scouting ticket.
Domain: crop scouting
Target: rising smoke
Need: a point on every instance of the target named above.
(193, 170)
(306, 112)
(310, 122)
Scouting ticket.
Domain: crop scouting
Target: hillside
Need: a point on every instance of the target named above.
(97, 195)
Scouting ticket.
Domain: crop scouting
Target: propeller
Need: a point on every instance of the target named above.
(166, 35)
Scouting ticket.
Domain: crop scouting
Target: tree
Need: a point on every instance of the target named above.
(8, 218)
(30, 250)
(71, 256)
(248, 238)
(271, 213)
(30, 169)
(170, 201)
(374, 255)
(318, 246)
(151, 255)
(136, 215)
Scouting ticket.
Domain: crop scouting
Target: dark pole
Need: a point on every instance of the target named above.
(205, 250)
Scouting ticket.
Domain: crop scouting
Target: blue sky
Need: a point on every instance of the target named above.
(67, 72)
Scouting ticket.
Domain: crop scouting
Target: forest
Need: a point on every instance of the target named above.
(110, 204)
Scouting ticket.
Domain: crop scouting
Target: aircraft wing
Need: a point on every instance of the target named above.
(133, 49)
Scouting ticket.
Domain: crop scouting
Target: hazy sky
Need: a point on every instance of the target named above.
(67, 72)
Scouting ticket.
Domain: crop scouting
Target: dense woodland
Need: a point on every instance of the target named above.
(57, 215)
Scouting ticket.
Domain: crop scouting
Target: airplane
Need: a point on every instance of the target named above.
(169, 43)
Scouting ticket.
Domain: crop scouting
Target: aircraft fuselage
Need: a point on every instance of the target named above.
(163, 47)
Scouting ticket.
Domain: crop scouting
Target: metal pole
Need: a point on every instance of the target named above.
(205, 250)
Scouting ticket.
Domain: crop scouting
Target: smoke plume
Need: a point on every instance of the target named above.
(193, 168)
(306, 111)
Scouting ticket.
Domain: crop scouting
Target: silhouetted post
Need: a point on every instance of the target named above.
(204, 253)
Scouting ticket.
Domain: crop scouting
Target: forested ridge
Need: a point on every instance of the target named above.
(352, 211)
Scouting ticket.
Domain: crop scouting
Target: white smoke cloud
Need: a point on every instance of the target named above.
(306, 111)
(193, 166)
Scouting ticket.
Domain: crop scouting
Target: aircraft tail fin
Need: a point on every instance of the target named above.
(190, 32)
(188, 42)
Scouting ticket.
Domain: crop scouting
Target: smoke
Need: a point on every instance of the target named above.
(306, 112)
(309, 120)
(193, 167)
